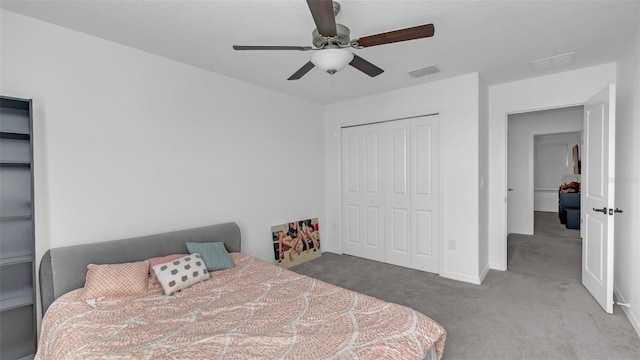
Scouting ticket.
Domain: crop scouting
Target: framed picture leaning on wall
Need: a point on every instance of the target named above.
(296, 242)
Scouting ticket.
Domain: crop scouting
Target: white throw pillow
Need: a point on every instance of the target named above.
(181, 273)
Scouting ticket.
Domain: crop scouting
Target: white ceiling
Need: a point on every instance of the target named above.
(498, 39)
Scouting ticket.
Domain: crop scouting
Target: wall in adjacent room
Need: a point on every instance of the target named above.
(456, 100)
(552, 162)
(128, 143)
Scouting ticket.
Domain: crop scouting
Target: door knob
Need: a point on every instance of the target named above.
(510, 189)
(603, 210)
(617, 211)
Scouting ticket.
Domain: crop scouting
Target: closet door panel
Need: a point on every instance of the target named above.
(351, 192)
(363, 199)
(398, 197)
(399, 163)
(371, 162)
(425, 181)
(373, 195)
(399, 234)
(423, 163)
(423, 221)
(372, 226)
(351, 164)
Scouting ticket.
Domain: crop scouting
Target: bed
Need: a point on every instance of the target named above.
(252, 310)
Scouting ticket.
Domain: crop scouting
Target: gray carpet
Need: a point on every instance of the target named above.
(538, 309)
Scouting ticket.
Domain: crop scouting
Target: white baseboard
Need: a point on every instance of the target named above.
(332, 250)
(496, 266)
(461, 277)
(627, 311)
(484, 273)
(476, 280)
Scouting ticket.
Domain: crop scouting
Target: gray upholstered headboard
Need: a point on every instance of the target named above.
(64, 269)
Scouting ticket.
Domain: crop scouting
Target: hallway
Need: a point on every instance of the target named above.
(553, 251)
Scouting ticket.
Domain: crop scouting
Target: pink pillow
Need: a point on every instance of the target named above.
(115, 280)
(161, 260)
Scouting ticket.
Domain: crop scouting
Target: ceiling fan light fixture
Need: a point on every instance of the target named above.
(331, 60)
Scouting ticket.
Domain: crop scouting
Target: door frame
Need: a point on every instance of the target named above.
(441, 176)
(505, 163)
(504, 243)
(568, 88)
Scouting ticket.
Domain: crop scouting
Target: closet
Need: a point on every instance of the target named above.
(391, 192)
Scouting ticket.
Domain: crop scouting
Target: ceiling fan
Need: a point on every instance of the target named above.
(331, 39)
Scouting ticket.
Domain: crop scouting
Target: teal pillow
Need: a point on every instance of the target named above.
(214, 254)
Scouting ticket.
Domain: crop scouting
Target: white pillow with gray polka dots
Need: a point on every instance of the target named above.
(181, 273)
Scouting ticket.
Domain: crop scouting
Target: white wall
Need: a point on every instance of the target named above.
(128, 143)
(553, 159)
(627, 225)
(522, 128)
(457, 102)
(544, 92)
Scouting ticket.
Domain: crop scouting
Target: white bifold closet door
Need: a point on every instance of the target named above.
(390, 192)
(363, 194)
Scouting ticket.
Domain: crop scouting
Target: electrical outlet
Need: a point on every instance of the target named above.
(452, 244)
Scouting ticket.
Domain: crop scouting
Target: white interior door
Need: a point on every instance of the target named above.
(362, 193)
(598, 196)
(425, 194)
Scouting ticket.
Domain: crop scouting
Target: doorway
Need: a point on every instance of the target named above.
(555, 131)
(597, 194)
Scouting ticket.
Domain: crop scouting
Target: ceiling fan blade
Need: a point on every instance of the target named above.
(303, 70)
(365, 66)
(412, 33)
(251, 47)
(323, 16)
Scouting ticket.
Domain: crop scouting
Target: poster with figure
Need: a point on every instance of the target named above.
(296, 242)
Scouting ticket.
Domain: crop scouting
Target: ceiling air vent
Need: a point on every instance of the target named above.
(426, 71)
(553, 61)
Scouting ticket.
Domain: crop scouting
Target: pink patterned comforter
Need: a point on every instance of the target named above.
(255, 310)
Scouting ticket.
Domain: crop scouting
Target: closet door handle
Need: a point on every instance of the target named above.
(603, 210)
